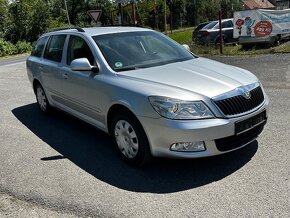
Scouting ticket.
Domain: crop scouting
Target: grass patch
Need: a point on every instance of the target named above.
(284, 48)
(16, 55)
(184, 37)
(230, 50)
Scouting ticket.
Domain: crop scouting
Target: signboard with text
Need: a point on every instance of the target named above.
(260, 22)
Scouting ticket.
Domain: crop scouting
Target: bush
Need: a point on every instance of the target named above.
(23, 47)
(7, 48)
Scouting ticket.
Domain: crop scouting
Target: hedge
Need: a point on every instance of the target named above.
(7, 48)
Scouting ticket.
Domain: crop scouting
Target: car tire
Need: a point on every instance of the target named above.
(277, 40)
(130, 139)
(41, 99)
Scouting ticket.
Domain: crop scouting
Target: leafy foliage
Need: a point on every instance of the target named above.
(7, 48)
(26, 20)
(3, 15)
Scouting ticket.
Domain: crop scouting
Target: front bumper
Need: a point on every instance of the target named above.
(162, 133)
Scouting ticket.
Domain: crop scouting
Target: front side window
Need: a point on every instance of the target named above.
(134, 50)
(78, 48)
(39, 46)
(54, 49)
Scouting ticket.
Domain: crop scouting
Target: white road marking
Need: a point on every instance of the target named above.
(22, 62)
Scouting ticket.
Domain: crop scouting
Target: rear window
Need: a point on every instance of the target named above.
(210, 25)
(39, 46)
(54, 49)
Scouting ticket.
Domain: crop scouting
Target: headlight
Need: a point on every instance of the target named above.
(180, 110)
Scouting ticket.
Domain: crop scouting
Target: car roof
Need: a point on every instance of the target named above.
(217, 22)
(93, 31)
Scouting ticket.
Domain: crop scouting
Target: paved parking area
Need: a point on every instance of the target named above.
(62, 164)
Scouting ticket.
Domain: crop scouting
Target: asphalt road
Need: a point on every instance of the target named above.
(12, 61)
(62, 164)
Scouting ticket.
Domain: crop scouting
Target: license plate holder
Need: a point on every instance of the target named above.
(250, 123)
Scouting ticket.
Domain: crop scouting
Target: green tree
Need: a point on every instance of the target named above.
(3, 16)
(27, 20)
(57, 13)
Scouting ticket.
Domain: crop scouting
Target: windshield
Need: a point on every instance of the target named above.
(135, 50)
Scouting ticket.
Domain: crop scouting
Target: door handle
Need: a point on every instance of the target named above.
(65, 75)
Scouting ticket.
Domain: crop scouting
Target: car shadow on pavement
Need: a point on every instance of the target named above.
(93, 151)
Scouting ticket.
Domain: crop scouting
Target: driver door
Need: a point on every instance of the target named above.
(77, 85)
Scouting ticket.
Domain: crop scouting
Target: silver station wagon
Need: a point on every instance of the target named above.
(154, 97)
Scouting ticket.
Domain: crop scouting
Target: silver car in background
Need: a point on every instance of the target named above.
(151, 94)
(210, 35)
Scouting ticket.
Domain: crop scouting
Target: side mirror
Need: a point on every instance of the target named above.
(186, 47)
(83, 64)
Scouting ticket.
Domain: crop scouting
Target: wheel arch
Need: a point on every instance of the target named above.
(121, 108)
(225, 39)
(116, 108)
(35, 83)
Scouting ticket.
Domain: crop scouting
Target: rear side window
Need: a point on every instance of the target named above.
(39, 46)
(227, 24)
(54, 49)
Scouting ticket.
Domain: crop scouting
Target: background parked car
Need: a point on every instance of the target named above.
(210, 33)
(199, 27)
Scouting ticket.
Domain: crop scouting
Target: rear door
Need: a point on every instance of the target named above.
(35, 60)
(228, 30)
(52, 62)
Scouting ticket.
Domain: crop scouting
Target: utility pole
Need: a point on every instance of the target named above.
(67, 12)
(171, 25)
(165, 22)
(155, 14)
(220, 28)
(134, 13)
(120, 12)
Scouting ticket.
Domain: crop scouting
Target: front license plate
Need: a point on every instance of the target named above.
(245, 125)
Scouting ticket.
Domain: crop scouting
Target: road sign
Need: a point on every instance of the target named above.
(95, 15)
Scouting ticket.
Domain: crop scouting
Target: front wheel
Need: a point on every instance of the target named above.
(130, 139)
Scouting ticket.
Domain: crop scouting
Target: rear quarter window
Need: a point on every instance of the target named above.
(39, 46)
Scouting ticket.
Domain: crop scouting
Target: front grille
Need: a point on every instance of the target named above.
(235, 141)
(239, 104)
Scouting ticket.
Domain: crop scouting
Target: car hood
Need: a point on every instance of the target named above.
(201, 76)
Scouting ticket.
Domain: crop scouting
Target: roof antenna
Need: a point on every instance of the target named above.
(67, 13)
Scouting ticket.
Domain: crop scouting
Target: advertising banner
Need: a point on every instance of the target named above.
(260, 22)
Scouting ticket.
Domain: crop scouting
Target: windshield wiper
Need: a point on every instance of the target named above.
(127, 69)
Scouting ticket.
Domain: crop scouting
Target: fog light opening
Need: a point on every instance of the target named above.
(188, 146)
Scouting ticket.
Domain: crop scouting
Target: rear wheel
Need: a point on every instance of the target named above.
(130, 139)
(277, 40)
(41, 99)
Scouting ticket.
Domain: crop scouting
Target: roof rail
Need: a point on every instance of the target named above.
(124, 25)
(66, 28)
